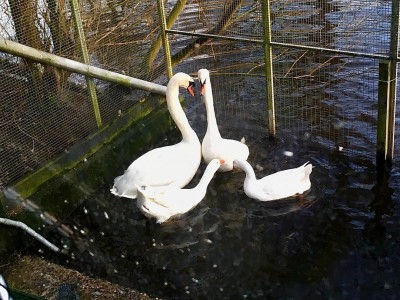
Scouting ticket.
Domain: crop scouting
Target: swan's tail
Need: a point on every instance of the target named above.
(307, 169)
(120, 191)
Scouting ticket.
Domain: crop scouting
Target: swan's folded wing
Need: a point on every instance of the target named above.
(160, 195)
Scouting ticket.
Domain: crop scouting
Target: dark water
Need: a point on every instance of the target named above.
(341, 240)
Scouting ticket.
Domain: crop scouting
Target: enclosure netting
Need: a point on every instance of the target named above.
(329, 98)
(325, 97)
(45, 110)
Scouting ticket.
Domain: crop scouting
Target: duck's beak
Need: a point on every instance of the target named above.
(222, 161)
(190, 88)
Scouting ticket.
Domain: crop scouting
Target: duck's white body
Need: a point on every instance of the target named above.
(175, 164)
(276, 186)
(213, 145)
(162, 204)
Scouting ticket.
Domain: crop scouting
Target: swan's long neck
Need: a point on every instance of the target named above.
(212, 126)
(178, 115)
(205, 179)
(250, 174)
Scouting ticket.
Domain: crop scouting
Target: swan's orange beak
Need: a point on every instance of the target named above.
(190, 88)
(222, 161)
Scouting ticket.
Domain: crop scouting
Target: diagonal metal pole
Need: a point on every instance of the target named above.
(85, 56)
(164, 37)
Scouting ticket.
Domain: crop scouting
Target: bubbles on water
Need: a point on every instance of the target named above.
(259, 168)
(195, 280)
(85, 210)
(288, 153)
(106, 215)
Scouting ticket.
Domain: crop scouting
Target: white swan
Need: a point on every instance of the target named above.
(213, 145)
(276, 186)
(175, 164)
(163, 204)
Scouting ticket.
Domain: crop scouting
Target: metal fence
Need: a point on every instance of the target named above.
(44, 109)
(326, 56)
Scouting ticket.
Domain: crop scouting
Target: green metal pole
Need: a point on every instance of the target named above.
(394, 48)
(382, 120)
(266, 13)
(164, 36)
(85, 56)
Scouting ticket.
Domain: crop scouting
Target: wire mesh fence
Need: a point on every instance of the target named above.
(325, 96)
(358, 26)
(45, 110)
(325, 64)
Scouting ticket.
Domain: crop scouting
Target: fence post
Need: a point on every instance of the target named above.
(394, 47)
(85, 56)
(164, 37)
(384, 87)
(266, 13)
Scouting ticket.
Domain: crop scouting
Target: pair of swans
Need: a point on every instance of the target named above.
(157, 177)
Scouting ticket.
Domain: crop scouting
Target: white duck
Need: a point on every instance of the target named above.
(175, 164)
(213, 145)
(276, 186)
(162, 204)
